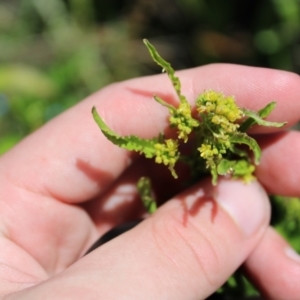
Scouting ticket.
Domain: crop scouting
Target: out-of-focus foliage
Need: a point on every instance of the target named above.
(285, 218)
(54, 53)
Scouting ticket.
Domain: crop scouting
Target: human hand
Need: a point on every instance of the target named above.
(65, 185)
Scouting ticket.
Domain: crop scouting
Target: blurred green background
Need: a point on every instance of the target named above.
(53, 53)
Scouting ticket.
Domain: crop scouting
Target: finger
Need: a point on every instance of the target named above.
(274, 267)
(280, 164)
(71, 161)
(184, 251)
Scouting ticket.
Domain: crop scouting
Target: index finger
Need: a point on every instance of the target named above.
(69, 158)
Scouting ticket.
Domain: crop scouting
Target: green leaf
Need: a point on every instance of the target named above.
(226, 166)
(257, 118)
(131, 143)
(264, 112)
(145, 192)
(181, 117)
(214, 174)
(243, 167)
(242, 138)
(238, 152)
(164, 103)
(166, 67)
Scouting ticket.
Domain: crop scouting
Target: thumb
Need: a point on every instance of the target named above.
(186, 250)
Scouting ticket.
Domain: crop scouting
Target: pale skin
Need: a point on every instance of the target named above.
(65, 185)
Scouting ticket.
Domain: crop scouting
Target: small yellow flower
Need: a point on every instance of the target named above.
(213, 103)
(167, 153)
(183, 120)
(211, 96)
(206, 151)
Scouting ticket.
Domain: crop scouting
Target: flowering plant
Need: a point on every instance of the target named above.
(218, 131)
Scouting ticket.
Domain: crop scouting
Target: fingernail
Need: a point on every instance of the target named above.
(247, 204)
(291, 253)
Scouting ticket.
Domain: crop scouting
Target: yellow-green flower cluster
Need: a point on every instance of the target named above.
(210, 153)
(167, 154)
(207, 151)
(219, 110)
(218, 115)
(244, 169)
(183, 120)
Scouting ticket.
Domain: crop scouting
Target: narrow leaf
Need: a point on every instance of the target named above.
(264, 112)
(257, 118)
(166, 67)
(131, 143)
(214, 174)
(164, 103)
(145, 192)
(104, 128)
(242, 138)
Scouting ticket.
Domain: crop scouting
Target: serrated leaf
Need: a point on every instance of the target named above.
(257, 118)
(131, 143)
(242, 138)
(145, 192)
(166, 67)
(263, 113)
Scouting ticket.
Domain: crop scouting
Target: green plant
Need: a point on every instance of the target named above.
(218, 131)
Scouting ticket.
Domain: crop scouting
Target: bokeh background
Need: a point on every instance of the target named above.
(53, 53)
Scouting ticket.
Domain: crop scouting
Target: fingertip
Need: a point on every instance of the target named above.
(247, 204)
(274, 267)
(193, 242)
